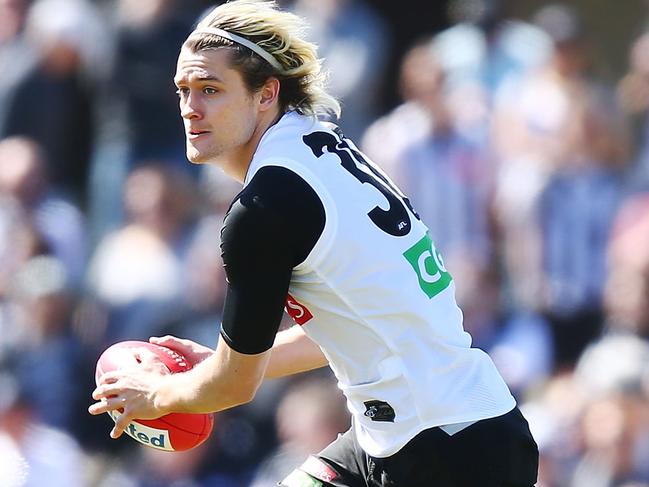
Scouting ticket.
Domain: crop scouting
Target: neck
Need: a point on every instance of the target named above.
(236, 166)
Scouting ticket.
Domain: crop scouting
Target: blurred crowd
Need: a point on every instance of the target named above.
(531, 170)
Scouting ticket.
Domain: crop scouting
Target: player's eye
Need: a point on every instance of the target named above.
(208, 90)
(182, 91)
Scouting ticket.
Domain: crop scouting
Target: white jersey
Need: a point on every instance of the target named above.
(375, 296)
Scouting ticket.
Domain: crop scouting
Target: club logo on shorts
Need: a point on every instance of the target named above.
(297, 311)
(298, 478)
(427, 262)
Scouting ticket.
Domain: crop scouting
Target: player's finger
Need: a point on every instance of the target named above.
(104, 391)
(121, 423)
(164, 340)
(110, 377)
(178, 344)
(98, 408)
(119, 428)
(105, 405)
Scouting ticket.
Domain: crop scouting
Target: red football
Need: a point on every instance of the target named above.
(173, 432)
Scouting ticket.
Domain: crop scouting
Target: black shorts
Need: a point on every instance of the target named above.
(496, 452)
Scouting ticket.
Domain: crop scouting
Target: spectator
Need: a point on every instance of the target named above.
(24, 180)
(33, 454)
(48, 356)
(614, 425)
(387, 138)
(138, 116)
(633, 95)
(136, 270)
(355, 41)
(19, 242)
(309, 416)
(147, 38)
(148, 467)
(555, 409)
(16, 56)
(60, 31)
(627, 285)
(559, 184)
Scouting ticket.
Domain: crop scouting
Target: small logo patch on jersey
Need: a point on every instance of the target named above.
(428, 264)
(319, 469)
(297, 311)
(379, 411)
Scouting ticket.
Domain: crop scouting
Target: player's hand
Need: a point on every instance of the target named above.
(192, 351)
(130, 391)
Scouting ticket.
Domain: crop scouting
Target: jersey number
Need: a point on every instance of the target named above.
(396, 219)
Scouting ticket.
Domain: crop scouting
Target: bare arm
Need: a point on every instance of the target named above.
(293, 352)
(225, 379)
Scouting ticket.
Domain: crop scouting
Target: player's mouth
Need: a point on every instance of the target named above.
(194, 134)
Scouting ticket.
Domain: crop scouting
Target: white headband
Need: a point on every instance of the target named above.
(242, 41)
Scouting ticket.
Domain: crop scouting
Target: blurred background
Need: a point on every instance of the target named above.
(518, 128)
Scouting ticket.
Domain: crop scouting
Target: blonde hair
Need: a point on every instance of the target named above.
(303, 83)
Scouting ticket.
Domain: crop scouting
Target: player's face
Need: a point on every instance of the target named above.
(218, 111)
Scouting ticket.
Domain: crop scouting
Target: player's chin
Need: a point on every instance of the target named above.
(195, 156)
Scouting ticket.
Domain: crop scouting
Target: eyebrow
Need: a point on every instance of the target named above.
(201, 79)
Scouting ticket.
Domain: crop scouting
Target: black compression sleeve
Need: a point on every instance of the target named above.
(271, 227)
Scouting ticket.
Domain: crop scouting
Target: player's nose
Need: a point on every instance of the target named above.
(190, 110)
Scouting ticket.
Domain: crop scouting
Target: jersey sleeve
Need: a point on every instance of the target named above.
(271, 227)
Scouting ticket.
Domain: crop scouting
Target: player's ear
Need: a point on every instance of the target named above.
(269, 94)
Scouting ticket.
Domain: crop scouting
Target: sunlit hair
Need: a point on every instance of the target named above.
(279, 33)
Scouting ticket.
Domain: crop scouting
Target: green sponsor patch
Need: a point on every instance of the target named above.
(298, 478)
(429, 266)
